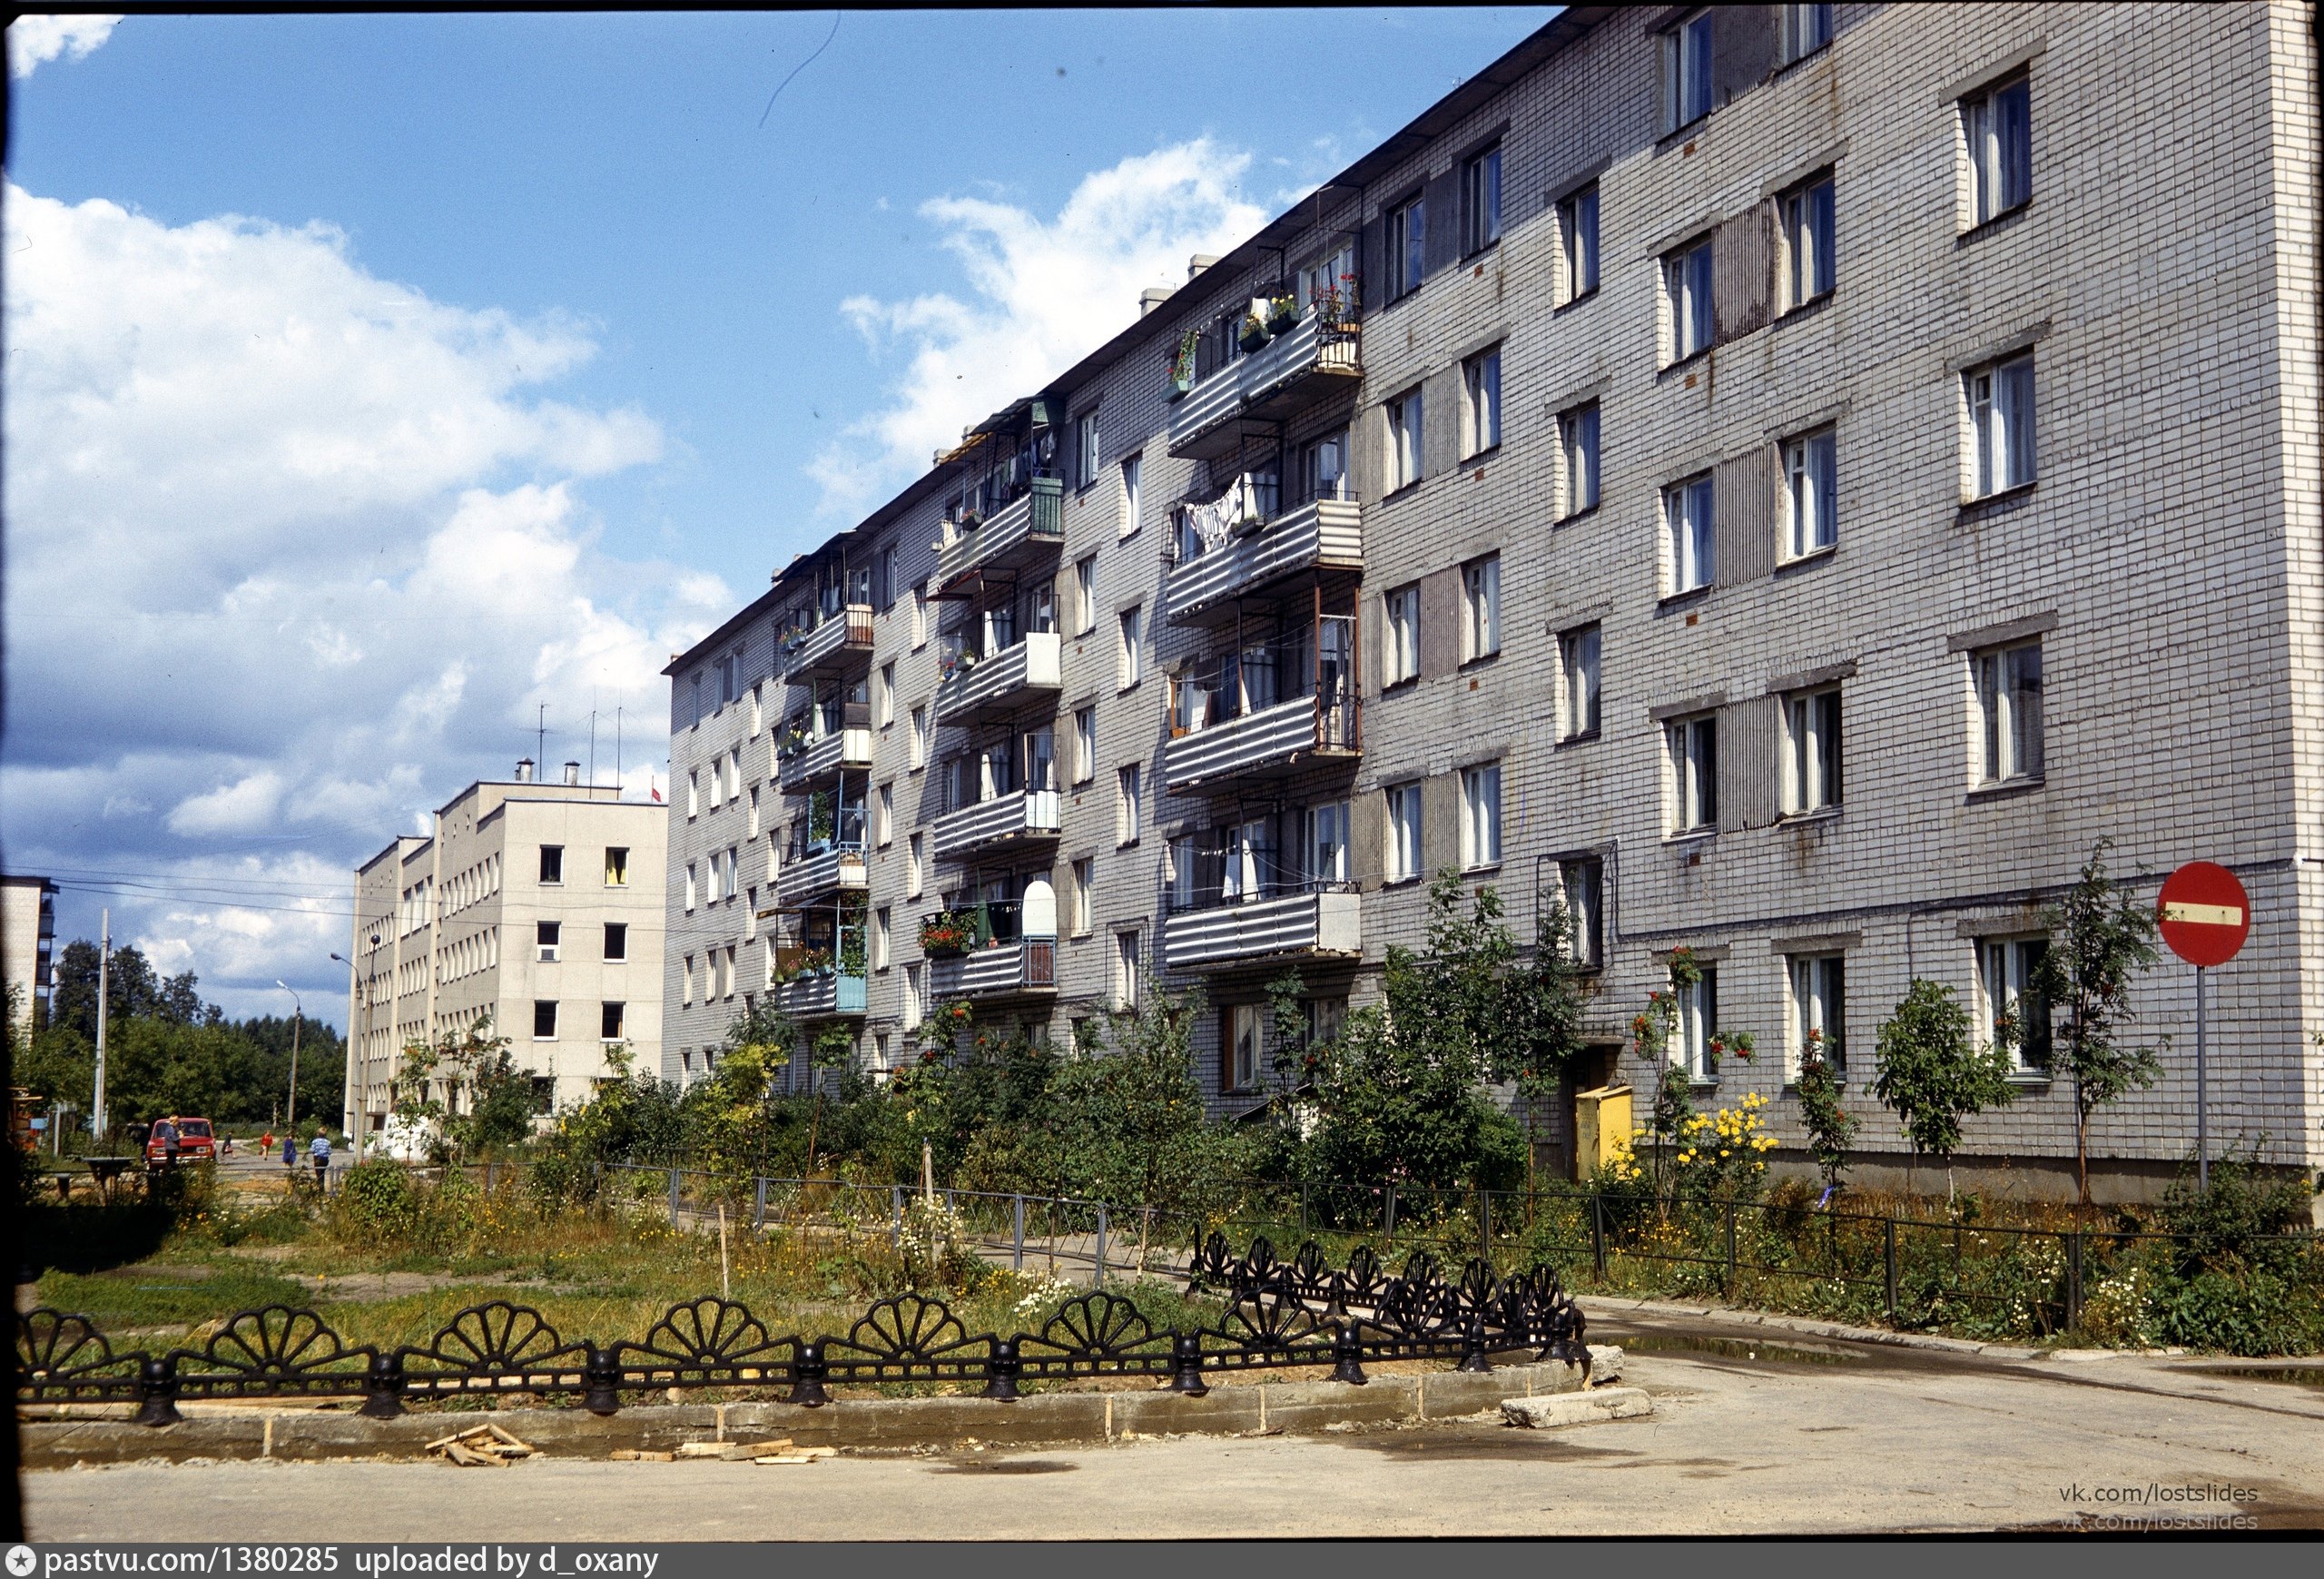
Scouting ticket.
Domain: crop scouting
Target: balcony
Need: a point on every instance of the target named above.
(820, 874)
(1270, 741)
(1010, 967)
(1017, 536)
(1320, 534)
(986, 688)
(827, 994)
(1020, 818)
(840, 644)
(1306, 363)
(817, 763)
(1228, 935)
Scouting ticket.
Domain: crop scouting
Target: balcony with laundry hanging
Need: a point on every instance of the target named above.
(1263, 890)
(1260, 530)
(1293, 345)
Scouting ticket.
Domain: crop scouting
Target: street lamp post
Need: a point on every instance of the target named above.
(357, 1073)
(298, 1015)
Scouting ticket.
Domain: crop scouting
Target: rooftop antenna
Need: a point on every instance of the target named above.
(540, 735)
(593, 748)
(617, 746)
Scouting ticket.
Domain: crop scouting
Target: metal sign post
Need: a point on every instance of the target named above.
(2205, 915)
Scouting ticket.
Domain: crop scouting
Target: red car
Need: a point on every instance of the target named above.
(195, 1144)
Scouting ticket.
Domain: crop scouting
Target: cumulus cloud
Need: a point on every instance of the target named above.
(295, 552)
(34, 41)
(1043, 294)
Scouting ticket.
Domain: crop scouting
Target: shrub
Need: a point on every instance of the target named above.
(378, 1201)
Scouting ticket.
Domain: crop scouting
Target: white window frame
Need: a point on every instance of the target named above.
(549, 950)
(1407, 457)
(1400, 626)
(915, 1009)
(1481, 816)
(1691, 747)
(1126, 955)
(1813, 740)
(886, 688)
(1085, 879)
(1085, 594)
(1580, 658)
(1686, 52)
(2005, 971)
(1698, 1006)
(1244, 1043)
(1406, 244)
(1808, 219)
(1577, 260)
(1816, 993)
(1084, 745)
(1811, 505)
(1087, 453)
(1480, 609)
(1127, 814)
(1687, 301)
(1581, 882)
(1133, 472)
(1481, 404)
(1131, 624)
(1404, 846)
(883, 815)
(1581, 479)
(917, 757)
(913, 866)
(918, 616)
(2003, 429)
(1997, 128)
(1689, 518)
(2010, 746)
(690, 884)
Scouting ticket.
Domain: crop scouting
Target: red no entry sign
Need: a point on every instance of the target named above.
(2205, 913)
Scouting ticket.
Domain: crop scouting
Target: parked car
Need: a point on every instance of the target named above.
(195, 1141)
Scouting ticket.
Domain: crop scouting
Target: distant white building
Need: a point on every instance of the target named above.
(536, 905)
(27, 934)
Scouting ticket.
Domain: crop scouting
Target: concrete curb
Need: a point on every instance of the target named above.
(882, 1423)
(1595, 1305)
(1577, 1408)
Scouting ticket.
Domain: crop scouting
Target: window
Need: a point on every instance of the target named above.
(883, 816)
(1578, 245)
(1693, 745)
(545, 936)
(686, 979)
(1405, 454)
(2009, 708)
(1811, 759)
(1806, 30)
(1126, 970)
(1480, 403)
(2017, 1013)
(1686, 293)
(1686, 516)
(914, 997)
(1580, 883)
(1084, 745)
(1133, 656)
(881, 1057)
(912, 867)
(1686, 72)
(609, 1018)
(1480, 609)
(881, 932)
(1698, 1005)
(544, 1019)
(917, 749)
(751, 830)
(1085, 449)
(1085, 879)
(1085, 594)
(1330, 282)
(2001, 424)
(617, 940)
(1818, 1003)
(1999, 127)
(890, 573)
(1404, 832)
(1407, 247)
(758, 714)
(1242, 1027)
(1578, 661)
(690, 884)
(1578, 450)
(1401, 660)
(1327, 844)
(694, 791)
(883, 698)
(1480, 201)
(553, 864)
(920, 617)
(1811, 494)
(1481, 816)
(1133, 493)
(717, 781)
(1125, 823)
(1807, 268)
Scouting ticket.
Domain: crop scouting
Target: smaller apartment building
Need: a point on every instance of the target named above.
(27, 937)
(535, 906)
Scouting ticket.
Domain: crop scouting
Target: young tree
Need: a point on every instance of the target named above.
(2100, 939)
(1674, 1103)
(1932, 1074)
(1830, 1126)
(1547, 1000)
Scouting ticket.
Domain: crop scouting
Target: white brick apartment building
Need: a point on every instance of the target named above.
(1790, 478)
(536, 905)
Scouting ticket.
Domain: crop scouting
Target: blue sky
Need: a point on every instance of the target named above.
(335, 339)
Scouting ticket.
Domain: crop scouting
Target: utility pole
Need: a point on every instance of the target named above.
(97, 1125)
(357, 1038)
(298, 1014)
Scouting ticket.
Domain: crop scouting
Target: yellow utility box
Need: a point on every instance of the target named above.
(1601, 1121)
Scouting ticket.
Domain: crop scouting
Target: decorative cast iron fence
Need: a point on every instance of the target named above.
(1278, 1313)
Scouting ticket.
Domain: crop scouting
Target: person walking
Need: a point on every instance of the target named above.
(289, 1157)
(167, 1134)
(319, 1151)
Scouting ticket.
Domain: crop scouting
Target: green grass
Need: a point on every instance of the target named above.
(159, 1294)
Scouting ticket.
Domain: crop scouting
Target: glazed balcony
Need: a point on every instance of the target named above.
(818, 763)
(1261, 744)
(1307, 363)
(1256, 931)
(1018, 535)
(840, 644)
(822, 873)
(1324, 534)
(1025, 817)
(984, 688)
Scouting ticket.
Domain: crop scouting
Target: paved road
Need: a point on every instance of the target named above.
(1833, 1437)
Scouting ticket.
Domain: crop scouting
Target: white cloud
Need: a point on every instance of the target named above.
(34, 41)
(1044, 294)
(295, 552)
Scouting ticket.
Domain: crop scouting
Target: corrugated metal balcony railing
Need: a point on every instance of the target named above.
(828, 996)
(1270, 740)
(1020, 533)
(1330, 921)
(1292, 371)
(1006, 680)
(840, 643)
(1321, 534)
(1028, 815)
(822, 760)
(813, 877)
(1017, 967)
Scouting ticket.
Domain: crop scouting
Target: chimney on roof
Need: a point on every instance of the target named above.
(573, 773)
(1152, 297)
(1199, 261)
(523, 770)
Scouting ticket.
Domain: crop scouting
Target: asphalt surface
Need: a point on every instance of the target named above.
(1755, 1430)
